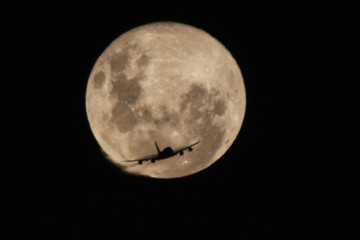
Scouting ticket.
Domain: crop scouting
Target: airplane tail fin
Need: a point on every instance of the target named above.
(157, 147)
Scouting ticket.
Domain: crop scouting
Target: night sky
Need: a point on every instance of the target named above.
(289, 173)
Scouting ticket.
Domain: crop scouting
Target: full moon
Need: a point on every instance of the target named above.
(170, 83)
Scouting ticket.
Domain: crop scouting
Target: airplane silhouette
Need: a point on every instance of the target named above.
(166, 153)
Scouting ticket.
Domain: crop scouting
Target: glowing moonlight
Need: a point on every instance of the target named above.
(165, 82)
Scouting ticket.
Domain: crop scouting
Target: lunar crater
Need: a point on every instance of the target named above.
(99, 80)
(123, 117)
(130, 61)
(125, 90)
(194, 97)
(118, 62)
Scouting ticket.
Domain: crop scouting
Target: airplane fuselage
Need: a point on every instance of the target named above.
(166, 153)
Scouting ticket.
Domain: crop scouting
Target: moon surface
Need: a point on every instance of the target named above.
(166, 82)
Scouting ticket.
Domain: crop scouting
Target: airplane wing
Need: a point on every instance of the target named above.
(176, 151)
(148, 158)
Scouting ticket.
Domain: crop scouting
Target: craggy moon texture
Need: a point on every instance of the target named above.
(165, 82)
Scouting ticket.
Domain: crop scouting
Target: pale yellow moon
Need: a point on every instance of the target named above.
(166, 82)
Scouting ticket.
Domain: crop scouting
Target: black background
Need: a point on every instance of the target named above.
(291, 171)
